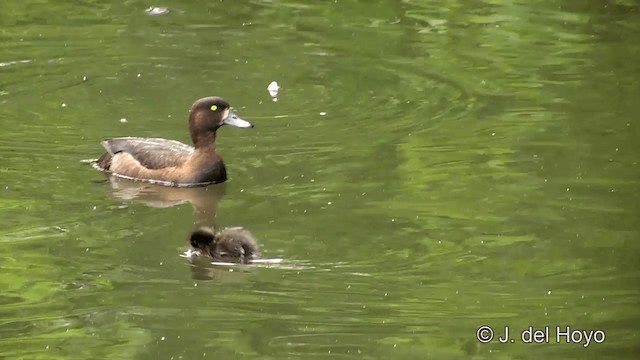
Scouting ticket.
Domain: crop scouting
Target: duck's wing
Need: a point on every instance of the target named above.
(152, 153)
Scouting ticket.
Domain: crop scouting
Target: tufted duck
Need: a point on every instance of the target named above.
(169, 162)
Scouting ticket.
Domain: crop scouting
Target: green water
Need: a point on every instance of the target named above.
(429, 167)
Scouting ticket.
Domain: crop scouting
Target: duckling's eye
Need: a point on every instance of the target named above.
(214, 107)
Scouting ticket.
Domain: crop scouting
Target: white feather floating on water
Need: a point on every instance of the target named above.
(156, 11)
(273, 89)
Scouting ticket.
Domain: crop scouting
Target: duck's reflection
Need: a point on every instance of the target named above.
(203, 199)
(229, 245)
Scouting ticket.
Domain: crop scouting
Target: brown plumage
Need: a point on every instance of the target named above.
(234, 243)
(169, 162)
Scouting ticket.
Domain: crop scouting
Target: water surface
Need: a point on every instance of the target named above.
(429, 167)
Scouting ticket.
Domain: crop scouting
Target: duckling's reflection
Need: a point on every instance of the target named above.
(231, 245)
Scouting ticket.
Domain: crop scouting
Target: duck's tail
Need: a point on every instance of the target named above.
(103, 163)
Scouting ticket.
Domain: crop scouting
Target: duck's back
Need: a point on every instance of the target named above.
(152, 153)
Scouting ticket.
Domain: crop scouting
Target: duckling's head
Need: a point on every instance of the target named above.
(226, 245)
(202, 241)
(210, 113)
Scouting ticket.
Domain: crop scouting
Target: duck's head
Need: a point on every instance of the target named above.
(210, 113)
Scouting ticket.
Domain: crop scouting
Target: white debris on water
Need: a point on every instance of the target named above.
(157, 11)
(123, 120)
(323, 113)
(273, 89)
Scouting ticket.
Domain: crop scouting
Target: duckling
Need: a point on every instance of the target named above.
(169, 162)
(230, 243)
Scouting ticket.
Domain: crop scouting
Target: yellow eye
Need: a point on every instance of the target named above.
(214, 108)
